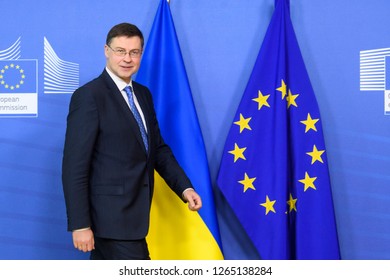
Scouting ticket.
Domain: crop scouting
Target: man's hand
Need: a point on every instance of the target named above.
(83, 240)
(193, 199)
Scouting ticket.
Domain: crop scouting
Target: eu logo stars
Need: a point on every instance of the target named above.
(18, 88)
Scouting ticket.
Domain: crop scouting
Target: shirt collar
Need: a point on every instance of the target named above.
(118, 81)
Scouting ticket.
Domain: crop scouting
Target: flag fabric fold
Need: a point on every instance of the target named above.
(274, 168)
(175, 232)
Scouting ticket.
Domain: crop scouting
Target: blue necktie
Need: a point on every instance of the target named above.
(137, 116)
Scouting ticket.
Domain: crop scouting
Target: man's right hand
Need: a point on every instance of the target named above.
(83, 240)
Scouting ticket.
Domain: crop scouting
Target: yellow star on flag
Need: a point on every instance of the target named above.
(238, 152)
(292, 203)
(261, 100)
(243, 123)
(310, 123)
(268, 205)
(291, 99)
(283, 89)
(308, 181)
(247, 182)
(316, 155)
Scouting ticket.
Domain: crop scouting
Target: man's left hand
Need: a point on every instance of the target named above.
(193, 199)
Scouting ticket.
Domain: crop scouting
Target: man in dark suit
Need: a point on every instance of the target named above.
(112, 147)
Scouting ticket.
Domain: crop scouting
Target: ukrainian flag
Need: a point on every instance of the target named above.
(176, 232)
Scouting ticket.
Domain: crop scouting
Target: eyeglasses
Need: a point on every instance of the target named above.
(122, 53)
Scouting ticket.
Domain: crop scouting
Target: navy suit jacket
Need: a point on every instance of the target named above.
(107, 175)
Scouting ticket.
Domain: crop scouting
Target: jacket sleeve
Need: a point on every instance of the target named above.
(81, 131)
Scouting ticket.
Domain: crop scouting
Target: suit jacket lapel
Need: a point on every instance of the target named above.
(122, 105)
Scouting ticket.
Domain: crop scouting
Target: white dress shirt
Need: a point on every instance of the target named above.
(121, 85)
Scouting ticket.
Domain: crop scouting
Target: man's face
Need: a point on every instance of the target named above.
(124, 56)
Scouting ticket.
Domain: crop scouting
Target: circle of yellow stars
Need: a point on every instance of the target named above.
(11, 67)
(315, 154)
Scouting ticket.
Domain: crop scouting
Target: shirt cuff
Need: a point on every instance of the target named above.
(82, 229)
(187, 189)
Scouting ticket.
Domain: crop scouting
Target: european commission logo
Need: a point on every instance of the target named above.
(375, 73)
(18, 83)
(60, 76)
(19, 79)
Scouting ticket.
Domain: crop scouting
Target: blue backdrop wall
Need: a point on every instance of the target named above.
(345, 45)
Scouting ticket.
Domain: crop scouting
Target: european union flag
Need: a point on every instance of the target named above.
(18, 76)
(274, 170)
